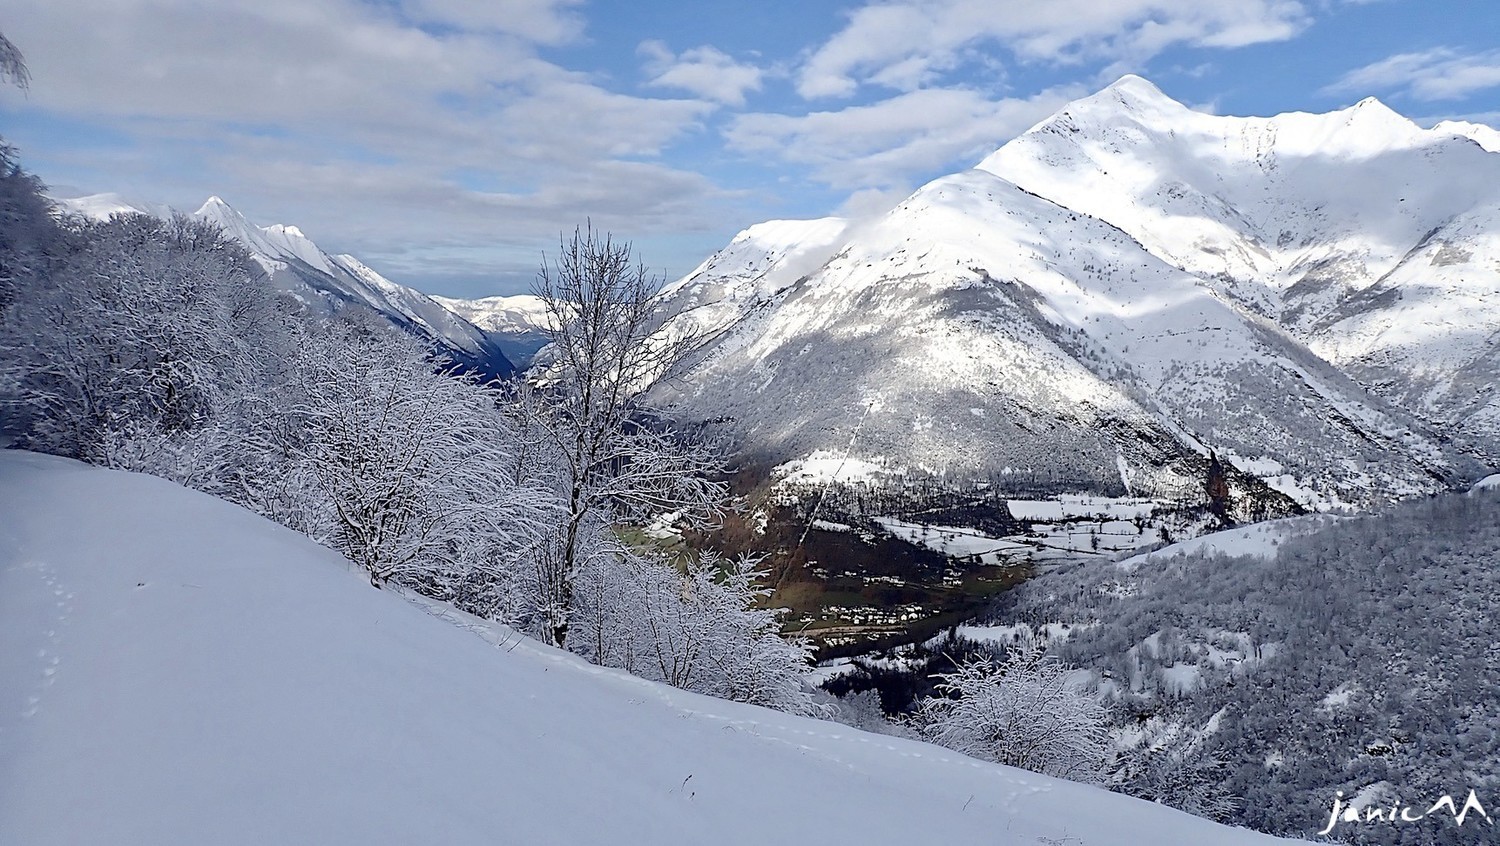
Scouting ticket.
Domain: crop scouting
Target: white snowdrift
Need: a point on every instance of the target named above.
(174, 669)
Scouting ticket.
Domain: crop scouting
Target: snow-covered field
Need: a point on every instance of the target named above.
(174, 669)
(1258, 540)
(1061, 528)
(957, 541)
(1073, 506)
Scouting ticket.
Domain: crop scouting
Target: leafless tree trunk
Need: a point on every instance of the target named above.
(608, 347)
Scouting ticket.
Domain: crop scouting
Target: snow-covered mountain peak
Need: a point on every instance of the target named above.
(1371, 128)
(1366, 236)
(1487, 137)
(1134, 93)
(323, 282)
(1131, 278)
(216, 210)
(1250, 197)
(770, 253)
(1128, 101)
(1134, 118)
(760, 262)
(274, 246)
(1134, 85)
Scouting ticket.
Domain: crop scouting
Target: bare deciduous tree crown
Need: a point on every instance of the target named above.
(13, 64)
(608, 347)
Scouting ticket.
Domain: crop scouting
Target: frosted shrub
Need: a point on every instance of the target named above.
(404, 470)
(696, 628)
(1019, 711)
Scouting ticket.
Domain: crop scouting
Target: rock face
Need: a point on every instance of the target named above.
(1123, 290)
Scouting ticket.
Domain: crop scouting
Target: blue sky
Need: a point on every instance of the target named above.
(447, 143)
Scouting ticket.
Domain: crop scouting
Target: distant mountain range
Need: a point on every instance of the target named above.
(1102, 304)
(510, 333)
(1122, 291)
(516, 324)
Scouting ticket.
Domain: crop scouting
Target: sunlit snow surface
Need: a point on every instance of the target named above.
(174, 670)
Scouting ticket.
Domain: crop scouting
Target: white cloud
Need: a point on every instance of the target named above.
(541, 21)
(571, 121)
(367, 124)
(906, 44)
(885, 145)
(704, 71)
(867, 203)
(1438, 74)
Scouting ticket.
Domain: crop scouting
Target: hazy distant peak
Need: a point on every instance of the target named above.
(106, 205)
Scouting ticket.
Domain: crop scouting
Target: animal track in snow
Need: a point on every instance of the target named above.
(48, 656)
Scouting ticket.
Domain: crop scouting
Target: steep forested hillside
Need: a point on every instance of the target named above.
(1357, 656)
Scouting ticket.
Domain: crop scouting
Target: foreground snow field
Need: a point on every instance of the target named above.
(174, 669)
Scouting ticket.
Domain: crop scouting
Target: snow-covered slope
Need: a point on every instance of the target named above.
(175, 670)
(979, 330)
(759, 262)
(298, 264)
(1259, 540)
(326, 282)
(518, 324)
(1374, 241)
(1485, 136)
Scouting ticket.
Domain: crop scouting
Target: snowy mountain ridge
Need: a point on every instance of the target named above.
(1485, 136)
(760, 262)
(517, 323)
(1374, 242)
(1116, 293)
(326, 282)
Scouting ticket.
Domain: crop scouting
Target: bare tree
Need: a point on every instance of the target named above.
(13, 65)
(619, 461)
